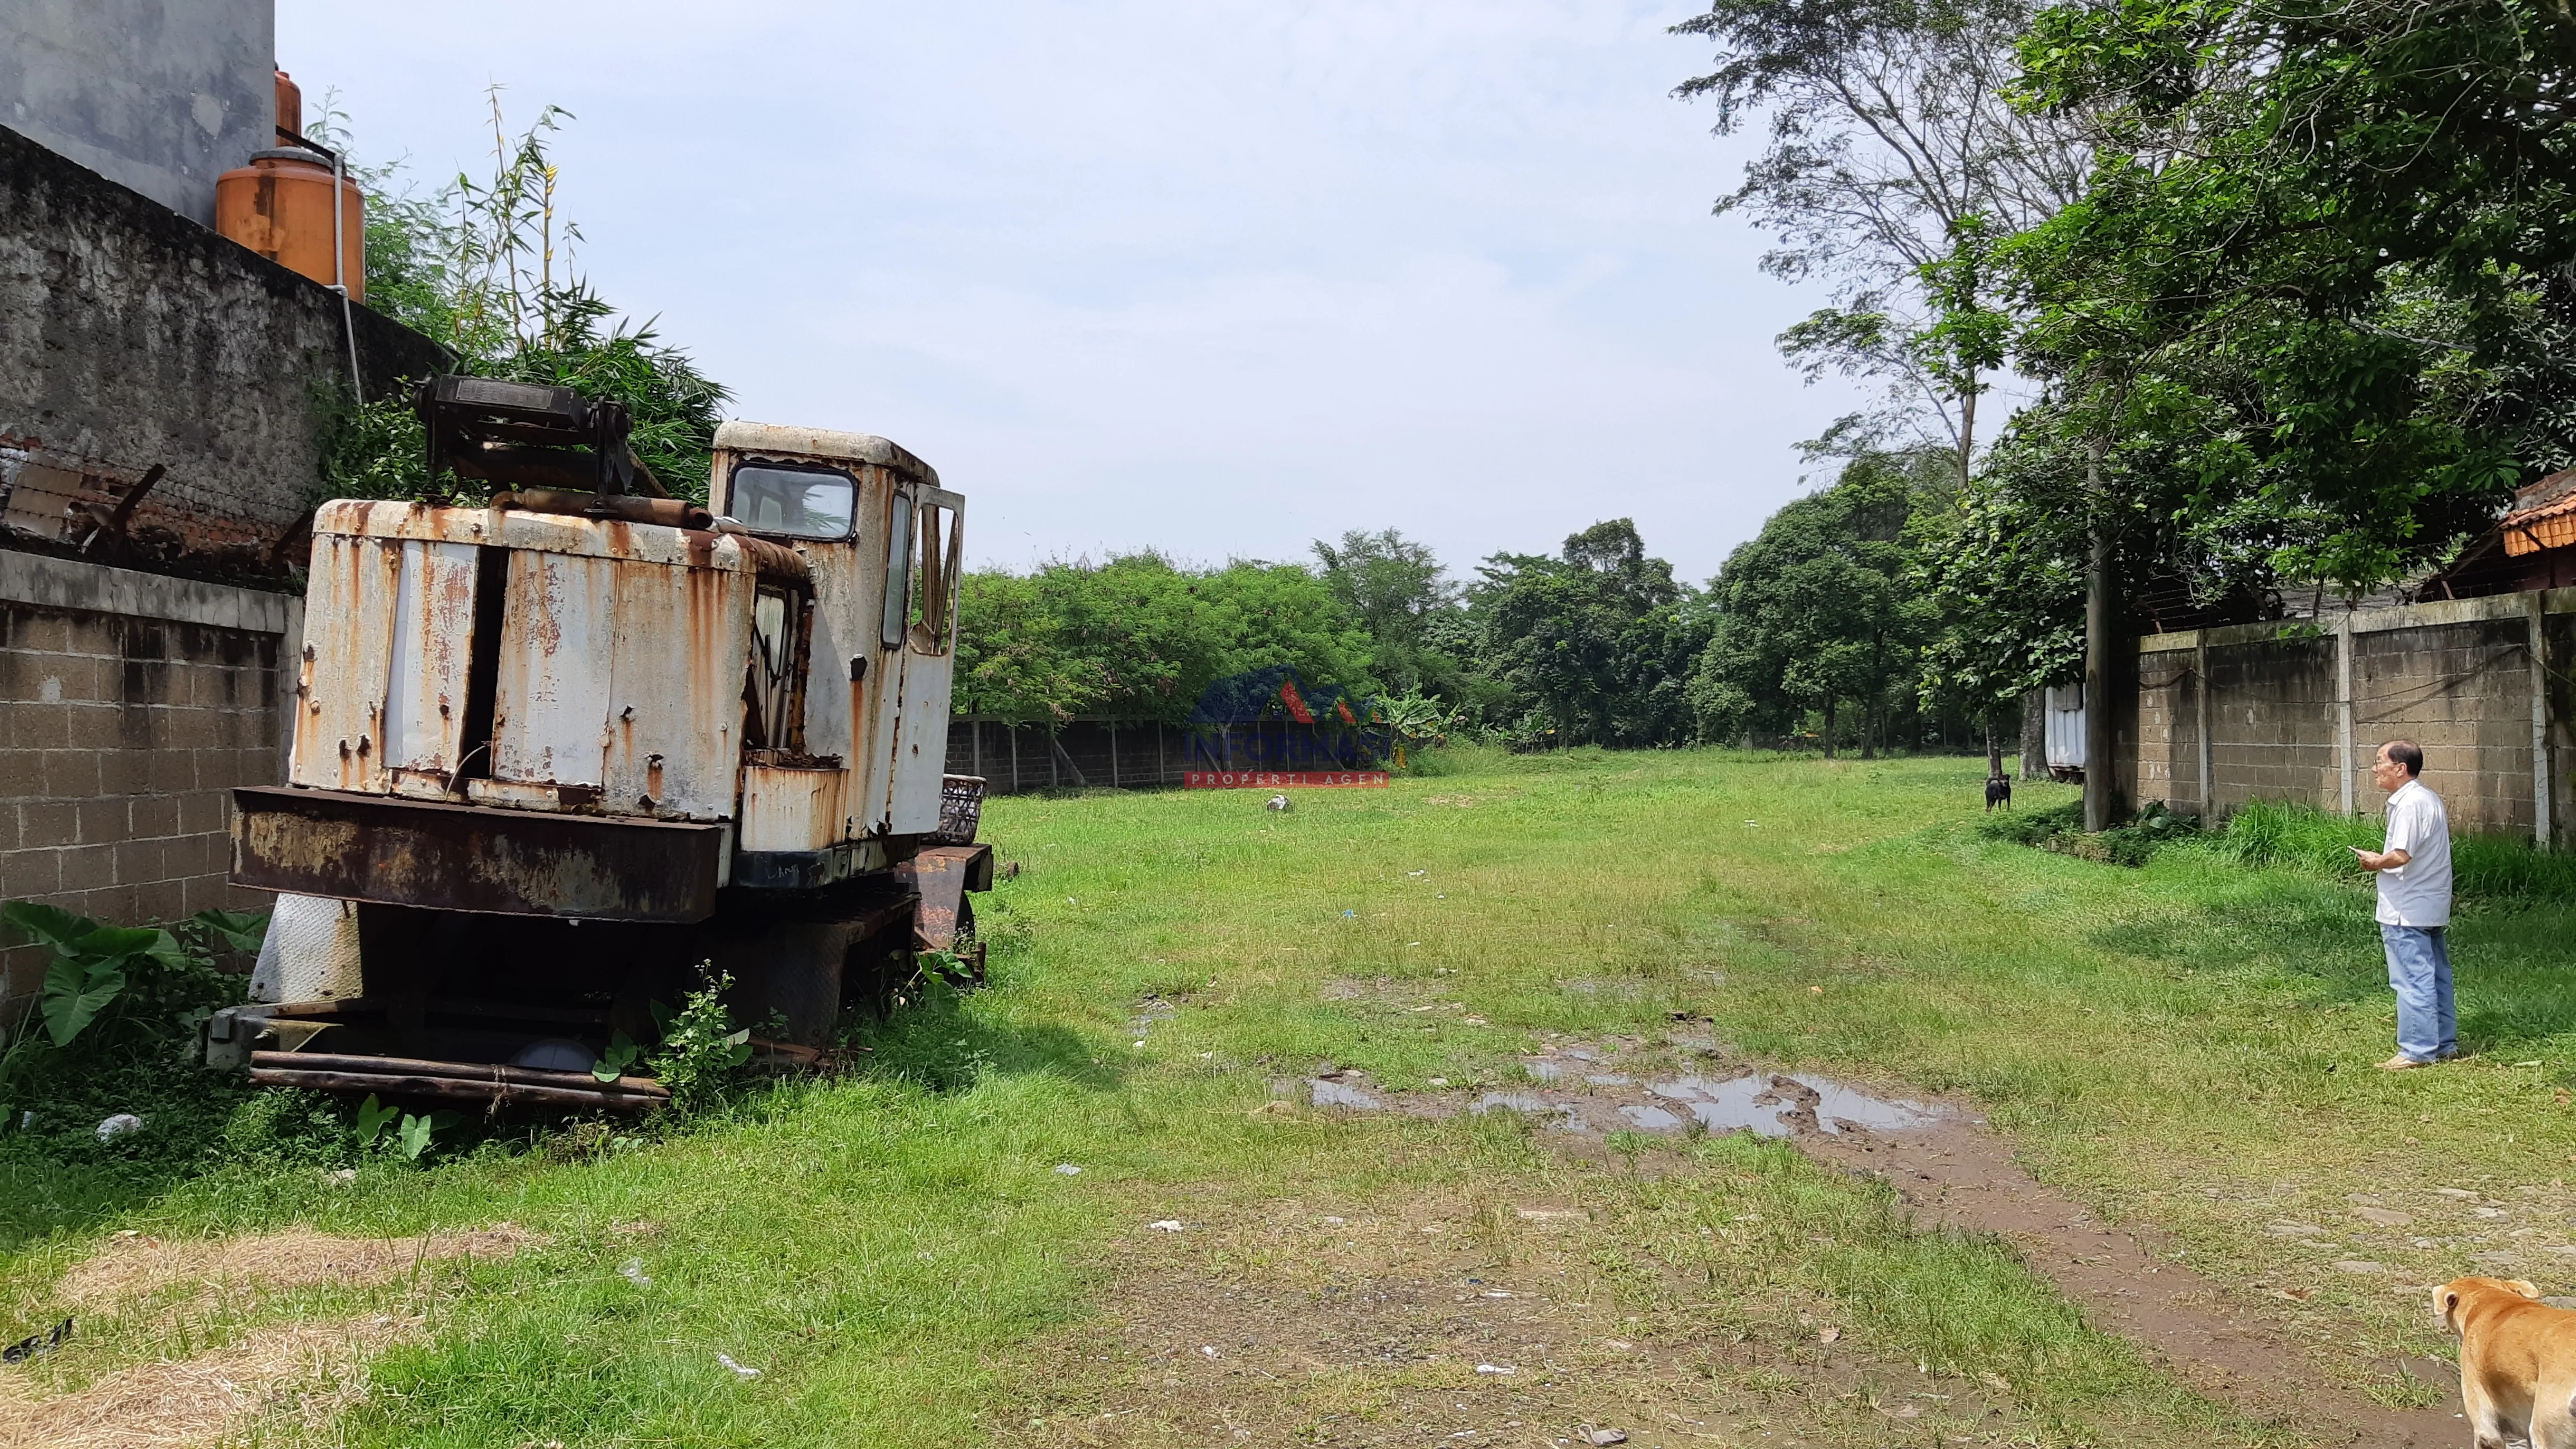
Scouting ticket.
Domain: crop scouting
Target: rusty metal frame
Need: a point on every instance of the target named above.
(416, 1078)
(465, 858)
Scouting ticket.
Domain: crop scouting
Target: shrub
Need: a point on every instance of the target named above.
(702, 1050)
(2306, 839)
(2061, 828)
(2033, 827)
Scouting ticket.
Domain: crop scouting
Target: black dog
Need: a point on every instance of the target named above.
(1999, 792)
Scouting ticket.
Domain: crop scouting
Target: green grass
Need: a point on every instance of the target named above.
(2186, 1044)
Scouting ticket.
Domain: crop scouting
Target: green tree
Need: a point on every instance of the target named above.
(2308, 319)
(1139, 637)
(1820, 609)
(1396, 589)
(1894, 163)
(1598, 639)
(486, 268)
(2000, 565)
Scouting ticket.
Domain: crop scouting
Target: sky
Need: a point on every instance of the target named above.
(1216, 278)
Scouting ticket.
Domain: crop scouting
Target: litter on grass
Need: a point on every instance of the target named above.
(632, 1270)
(123, 1124)
(743, 1370)
(1166, 1225)
(1067, 1169)
(36, 1343)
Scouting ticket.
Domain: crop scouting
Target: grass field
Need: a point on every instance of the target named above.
(900, 1256)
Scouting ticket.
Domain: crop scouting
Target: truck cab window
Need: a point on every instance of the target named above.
(934, 580)
(898, 574)
(777, 639)
(796, 502)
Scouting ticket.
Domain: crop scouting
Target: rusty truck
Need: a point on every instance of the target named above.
(559, 755)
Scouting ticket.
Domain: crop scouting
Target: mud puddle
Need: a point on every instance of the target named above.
(1953, 1173)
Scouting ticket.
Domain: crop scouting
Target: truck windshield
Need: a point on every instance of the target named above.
(798, 502)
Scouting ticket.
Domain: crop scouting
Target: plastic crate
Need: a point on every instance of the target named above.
(961, 809)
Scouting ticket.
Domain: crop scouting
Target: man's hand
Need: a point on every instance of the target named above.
(2380, 859)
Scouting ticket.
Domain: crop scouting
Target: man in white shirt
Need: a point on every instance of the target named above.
(2414, 870)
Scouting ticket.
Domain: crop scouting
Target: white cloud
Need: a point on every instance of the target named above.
(1214, 277)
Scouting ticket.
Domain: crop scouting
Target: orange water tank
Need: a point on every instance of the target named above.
(290, 105)
(280, 207)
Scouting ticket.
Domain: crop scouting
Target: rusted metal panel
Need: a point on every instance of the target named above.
(840, 699)
(458, 857)
(533, 795)
(432, 645)
(791, 807)
(943, 874)
(558, 639)
(621, 661)
(919, 760)
(682, 642)
(341, 680)
(772, 440)
(411, 1077)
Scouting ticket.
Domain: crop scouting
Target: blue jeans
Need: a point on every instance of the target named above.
(2419, 969)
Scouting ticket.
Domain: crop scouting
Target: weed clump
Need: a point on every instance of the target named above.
(2308, 840)
(2061, 829)
(112, 1031)
(702, 1050)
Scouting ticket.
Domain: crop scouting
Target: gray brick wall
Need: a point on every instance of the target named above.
(123, 727)
(2456, 677)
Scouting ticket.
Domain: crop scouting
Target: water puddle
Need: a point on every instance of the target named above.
(1780, 1106)
(1564, 1116)
(1324, 1092)
(1650, 1119)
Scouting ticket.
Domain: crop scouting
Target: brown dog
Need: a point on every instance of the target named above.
(2517, 1361)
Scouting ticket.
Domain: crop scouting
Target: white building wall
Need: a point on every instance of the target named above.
(161, 96)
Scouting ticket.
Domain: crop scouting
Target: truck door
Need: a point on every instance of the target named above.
(925, 552)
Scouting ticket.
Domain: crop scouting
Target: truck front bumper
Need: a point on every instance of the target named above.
(473, 858)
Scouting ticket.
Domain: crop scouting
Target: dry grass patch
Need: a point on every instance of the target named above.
(136, 1266)
(306, 1372)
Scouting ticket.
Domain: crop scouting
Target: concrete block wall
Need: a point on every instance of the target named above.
(130, 706)
(131, 337)
(2294, 712)
(2169, 733)
(2464, 692)
(2273, 717)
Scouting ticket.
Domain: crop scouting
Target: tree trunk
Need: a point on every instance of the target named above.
(1967, 427)
(2034, 735)
(1994, 748)
(1829, 727)
(2097, 654)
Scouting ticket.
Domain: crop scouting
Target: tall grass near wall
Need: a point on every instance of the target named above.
(2304, 838)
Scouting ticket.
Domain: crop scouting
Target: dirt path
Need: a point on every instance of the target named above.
(1955, 1172)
